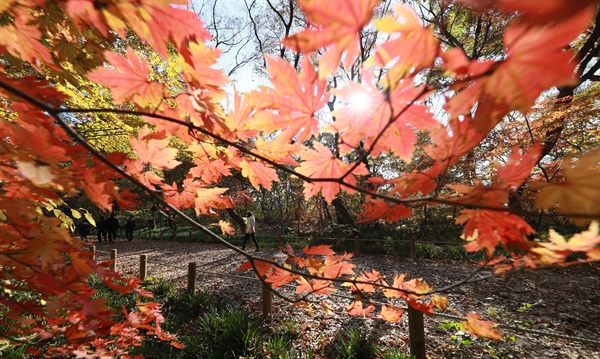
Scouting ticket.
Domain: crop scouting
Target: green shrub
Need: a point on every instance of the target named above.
(227, 333)
(393, 353)
(354, 344)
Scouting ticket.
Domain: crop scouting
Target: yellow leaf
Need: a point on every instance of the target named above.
(76, 214)
(579, 193)
(90, 219)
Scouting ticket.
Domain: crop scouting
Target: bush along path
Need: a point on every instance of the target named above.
(560, 301)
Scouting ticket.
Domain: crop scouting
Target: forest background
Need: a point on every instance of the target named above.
(418, 119)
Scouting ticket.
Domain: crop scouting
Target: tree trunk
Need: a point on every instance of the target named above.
(237, 219)
(343, 216)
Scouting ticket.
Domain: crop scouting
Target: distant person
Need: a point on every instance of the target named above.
(250, 230)
(101, 229)
(112, 226)
(84, 229)
(129, 227)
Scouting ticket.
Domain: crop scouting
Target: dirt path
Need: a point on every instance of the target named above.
(563, 301)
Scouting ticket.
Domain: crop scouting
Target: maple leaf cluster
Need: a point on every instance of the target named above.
(47, 44)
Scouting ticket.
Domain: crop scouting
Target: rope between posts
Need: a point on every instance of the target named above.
(454, 317)
(503, 326)
(227, 275)
(167, 264)
(532, 331)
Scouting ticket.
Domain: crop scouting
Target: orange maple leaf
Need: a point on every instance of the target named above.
(579, 242)
(481, 328)
(183, 197)
(45, 250)
(209, 170)
(399, 284)
(258, 173)
(280, 277)
(129, 79)
(177, 25)
(371, 115)
(321, 250)
(226, 227)
(23, 41)
(314, 286)
(321, 163)
(154, 152)
(262, 267)
(356, 309)
(209, 198)
(415, 39)
(452, 145)
(503, 85)
(391, 314)
(291, 105)
(334, 22)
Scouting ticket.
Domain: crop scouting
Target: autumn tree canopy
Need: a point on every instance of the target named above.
(72, 68)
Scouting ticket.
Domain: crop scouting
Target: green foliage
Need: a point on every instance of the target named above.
(227, 333)
(115, 299)
(162, 289)
(393, 353)
(10, 350)
(459, 337)
(354, 344)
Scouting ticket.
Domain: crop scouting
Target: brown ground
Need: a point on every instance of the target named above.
(564, 301)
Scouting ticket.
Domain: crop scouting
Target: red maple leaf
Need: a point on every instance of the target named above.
(485, 229)
(517, 168)
(280, 277)
(535, 12)
(378, 209)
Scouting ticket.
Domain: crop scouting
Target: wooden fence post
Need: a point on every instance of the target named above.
(191, 278)
(413, 248)
(356, 246)
(143, 267)
(416, 331)
(161, 234)
(190, 234)
(267, 300)
(113, 257)
(93, 249)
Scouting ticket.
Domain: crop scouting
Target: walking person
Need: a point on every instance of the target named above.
(101, 228)
(112, 226)
(250, 230)
(129, 227)
(84, 229)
